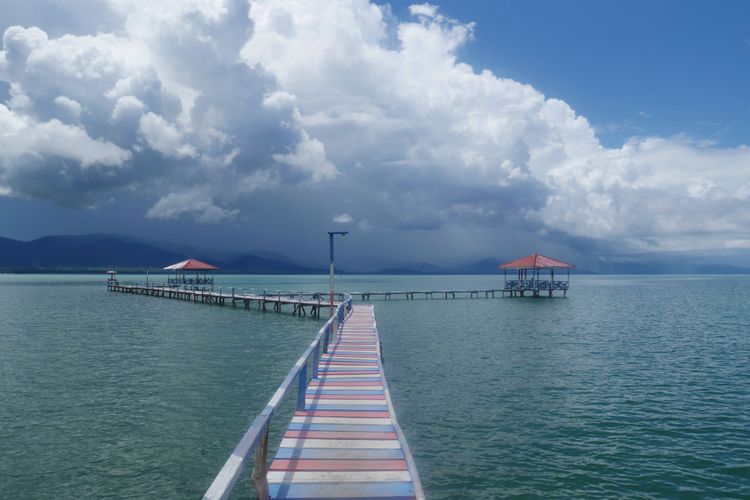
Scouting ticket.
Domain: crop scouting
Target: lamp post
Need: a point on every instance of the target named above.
(331, 234)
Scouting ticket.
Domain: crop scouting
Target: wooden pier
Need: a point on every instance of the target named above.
(429, 294)
(301, 303)
(344, 440)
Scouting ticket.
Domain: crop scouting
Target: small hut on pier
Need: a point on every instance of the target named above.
(531, 271)
(190, 272)
(111, 277)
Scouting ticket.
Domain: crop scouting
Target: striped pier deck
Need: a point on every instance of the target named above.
(344, 440)
(346, 443)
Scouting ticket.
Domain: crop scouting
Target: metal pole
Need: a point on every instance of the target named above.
(330, 274)
(331, 234)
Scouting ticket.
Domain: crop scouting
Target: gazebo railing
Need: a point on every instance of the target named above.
(255, 441)
(536, 285)
(190, 281)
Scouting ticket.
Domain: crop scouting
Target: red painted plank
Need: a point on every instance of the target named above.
(312, 464)
(340, 435)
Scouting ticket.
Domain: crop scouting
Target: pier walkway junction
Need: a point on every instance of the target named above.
(344, 440)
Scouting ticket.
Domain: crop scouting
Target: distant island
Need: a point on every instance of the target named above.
(94, 253)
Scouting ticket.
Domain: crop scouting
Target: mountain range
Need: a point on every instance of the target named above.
(98, 252)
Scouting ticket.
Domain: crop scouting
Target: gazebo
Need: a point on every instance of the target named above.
(530, 276)
(184, 270)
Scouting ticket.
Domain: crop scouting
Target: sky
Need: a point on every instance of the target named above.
(447, 132)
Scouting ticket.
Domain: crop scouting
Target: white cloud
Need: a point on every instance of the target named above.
(309, 156)
(70, 108)
(446, 144)
(343, 219)
(164, 137)
(20, 138)
(197, 202)
(165, 96)
(127, 107)
(423, 9)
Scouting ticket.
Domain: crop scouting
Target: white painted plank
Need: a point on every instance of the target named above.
(337, 476)
(388, 444)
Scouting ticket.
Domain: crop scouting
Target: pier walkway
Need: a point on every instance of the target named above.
(429, 294)
(302, 303)
(344, 440)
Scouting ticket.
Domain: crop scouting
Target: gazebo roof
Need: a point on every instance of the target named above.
(191, 265)
(536, 261)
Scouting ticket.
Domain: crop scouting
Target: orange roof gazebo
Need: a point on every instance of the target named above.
(530, 276)
(191, 265)
(200, 268)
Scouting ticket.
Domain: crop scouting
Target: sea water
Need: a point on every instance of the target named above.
(631, 386)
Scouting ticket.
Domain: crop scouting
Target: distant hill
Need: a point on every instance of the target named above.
(89, 252)
(96, 252)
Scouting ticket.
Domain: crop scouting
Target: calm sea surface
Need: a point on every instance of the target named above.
(632, 386)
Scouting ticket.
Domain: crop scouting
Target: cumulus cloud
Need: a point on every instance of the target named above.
(444, 144)
(343, 219)
(196, 201)
(165, 99)
(207, 103)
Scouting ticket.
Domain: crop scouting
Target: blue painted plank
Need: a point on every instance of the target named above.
(342, 490)
(347, 407)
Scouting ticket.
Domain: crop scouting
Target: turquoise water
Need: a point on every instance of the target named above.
(632, 386)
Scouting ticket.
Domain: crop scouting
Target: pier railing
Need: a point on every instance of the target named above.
(323, 297)
(255, 441)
